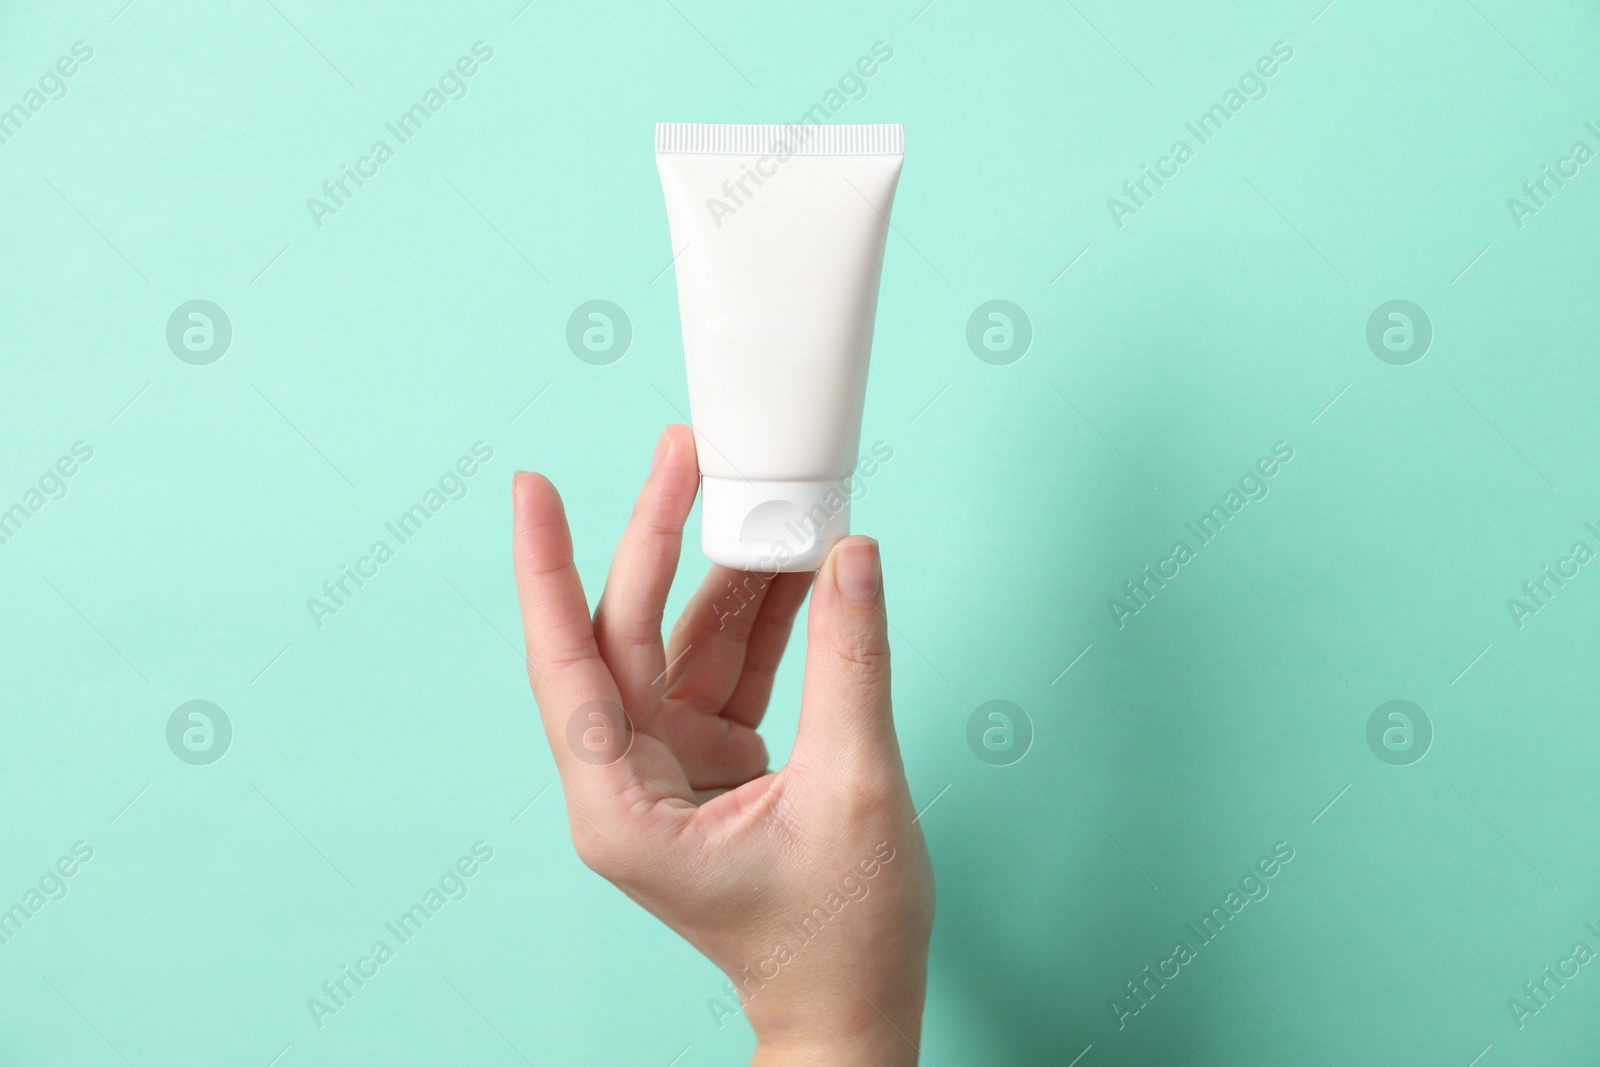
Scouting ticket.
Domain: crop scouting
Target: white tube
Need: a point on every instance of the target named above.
(778, 233)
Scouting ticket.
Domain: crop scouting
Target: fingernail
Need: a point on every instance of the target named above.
(663, 447)
(856, 571)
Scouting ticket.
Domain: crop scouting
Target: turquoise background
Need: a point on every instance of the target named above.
(1229, 313)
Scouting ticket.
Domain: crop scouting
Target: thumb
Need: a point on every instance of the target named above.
(846, 726)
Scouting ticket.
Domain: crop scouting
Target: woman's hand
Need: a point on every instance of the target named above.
(810, 886)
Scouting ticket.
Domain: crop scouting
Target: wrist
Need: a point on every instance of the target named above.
(886, 1049)
(851, 1032)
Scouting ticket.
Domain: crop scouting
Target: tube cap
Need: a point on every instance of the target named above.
(772, 526)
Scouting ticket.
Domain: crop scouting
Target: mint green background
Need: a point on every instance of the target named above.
(1220, 319)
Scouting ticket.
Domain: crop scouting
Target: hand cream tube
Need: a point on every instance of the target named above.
(779, 234)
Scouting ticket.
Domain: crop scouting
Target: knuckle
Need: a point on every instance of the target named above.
(859, 787)
(554, 655)
(867, 797)
(655, 525)
(863, 654)
(627, 628)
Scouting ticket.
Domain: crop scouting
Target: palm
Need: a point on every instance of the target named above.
(696, 722)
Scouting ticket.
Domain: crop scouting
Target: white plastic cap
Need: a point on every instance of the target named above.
(772, 526)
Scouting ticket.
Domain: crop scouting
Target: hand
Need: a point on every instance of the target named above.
(810, 887)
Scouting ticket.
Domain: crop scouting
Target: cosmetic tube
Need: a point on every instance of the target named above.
(778, 235)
